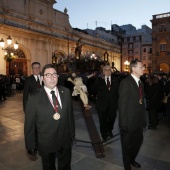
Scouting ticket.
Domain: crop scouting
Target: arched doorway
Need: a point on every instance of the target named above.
(164, 67)
(59, 60)
(18, 65)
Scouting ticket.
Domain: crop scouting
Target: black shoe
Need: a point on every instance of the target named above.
(135, 164)
(152, 127)
(104, 140)
(110, 134)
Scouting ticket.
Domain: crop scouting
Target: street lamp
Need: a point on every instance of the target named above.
(106, 56)
(54, 59)
(126, 63)
(9, 50)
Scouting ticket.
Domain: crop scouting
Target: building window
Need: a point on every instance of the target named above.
(125, 40)
(144, 50)
(163, 28)
(150, 51)
(131, 39)
(130, 53)
(149, 57)
(163, 47)
(130, 45)
(137, 39)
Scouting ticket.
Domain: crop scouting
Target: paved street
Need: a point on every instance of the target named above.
(154, 154)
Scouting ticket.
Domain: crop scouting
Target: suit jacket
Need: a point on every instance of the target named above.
(30, 86)
(51, 134)
(132, 114)
(106, 98)
(154, 96)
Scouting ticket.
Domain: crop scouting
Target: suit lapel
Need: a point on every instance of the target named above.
(112, 83)
(104, 82)
(34, 82)
(33, 79)
(46, 100)
(134, 84)
(61, 93)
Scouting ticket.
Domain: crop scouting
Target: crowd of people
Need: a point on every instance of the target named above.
(156, 87)
(10, 85)
(134, 96)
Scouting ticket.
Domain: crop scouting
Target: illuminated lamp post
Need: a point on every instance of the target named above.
(9, 50)
(126, 68)
(106, 56)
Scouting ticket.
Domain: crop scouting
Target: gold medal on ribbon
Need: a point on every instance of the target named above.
(140, 101)
(56, 116)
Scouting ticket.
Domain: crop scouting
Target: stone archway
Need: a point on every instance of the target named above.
(18, 65)
(59, 59)
(164, 67)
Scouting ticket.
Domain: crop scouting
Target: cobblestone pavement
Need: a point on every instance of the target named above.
(154, 154)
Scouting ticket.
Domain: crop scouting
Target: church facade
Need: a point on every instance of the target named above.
(44, 34)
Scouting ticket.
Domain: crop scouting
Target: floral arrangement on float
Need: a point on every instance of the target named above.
(86, 61)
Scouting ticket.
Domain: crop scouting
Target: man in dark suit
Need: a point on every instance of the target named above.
(51, 110)
(106, 88)
(32, 83)
(132, 116)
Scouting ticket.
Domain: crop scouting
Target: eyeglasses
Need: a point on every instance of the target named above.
(49, 75)
(36, 68)
(107, 70)
(139, 67)
(142, 68)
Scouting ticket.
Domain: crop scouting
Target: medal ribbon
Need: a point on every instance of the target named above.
(54, 102)
(38, 82)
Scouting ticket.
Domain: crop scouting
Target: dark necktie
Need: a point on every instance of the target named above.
(38, 82)
(108, 84)
(140, 89)
(55, 100)
(140, 85)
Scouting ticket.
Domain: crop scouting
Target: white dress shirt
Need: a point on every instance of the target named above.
(48, 91)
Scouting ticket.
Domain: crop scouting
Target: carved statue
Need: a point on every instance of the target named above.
(65, 10)
(78, 49)
(80, 88)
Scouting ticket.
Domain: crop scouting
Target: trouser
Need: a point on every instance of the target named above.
(153, 117)
(168, 109)
(131, 143)
(64, 160)
(2, 93)
(106, 120)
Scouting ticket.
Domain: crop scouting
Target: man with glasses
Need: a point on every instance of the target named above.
(51, 110)
(32, 83)
(132, 115)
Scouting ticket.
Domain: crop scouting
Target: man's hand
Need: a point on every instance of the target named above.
(32, 152)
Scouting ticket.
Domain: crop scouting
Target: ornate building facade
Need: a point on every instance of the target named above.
(161, 42)
(44, 34)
